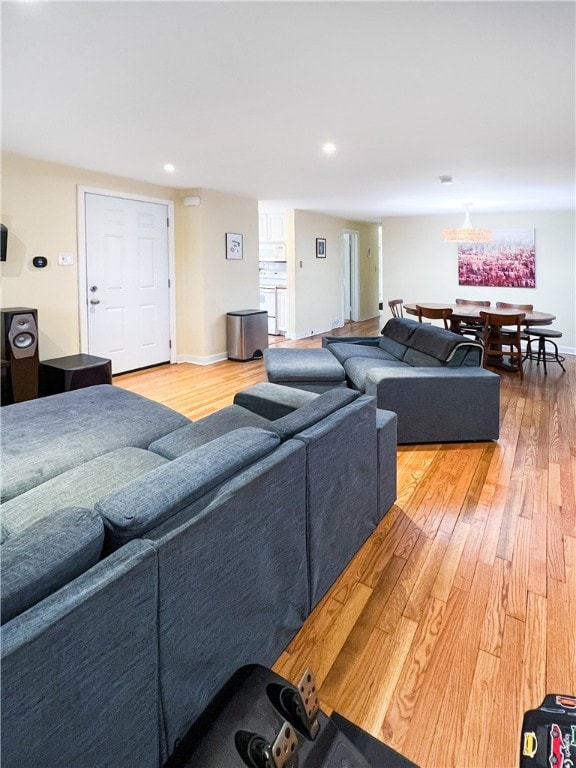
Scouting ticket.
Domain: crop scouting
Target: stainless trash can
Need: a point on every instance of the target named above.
(246, 334)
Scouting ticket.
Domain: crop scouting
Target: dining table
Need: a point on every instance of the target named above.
(471, 313)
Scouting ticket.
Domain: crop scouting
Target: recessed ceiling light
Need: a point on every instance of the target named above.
(169, 168)
(329, 148)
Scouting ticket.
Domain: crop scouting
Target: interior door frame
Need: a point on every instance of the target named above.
(354, 236)
(81, 192)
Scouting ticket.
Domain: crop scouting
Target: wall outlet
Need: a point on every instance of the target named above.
(65, 259)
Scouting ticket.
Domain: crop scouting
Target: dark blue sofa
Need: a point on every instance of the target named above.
(145, 557)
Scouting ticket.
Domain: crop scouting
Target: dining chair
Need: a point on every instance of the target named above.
(437, 313)
(472, 327)
(501, 340)
(506, 305)
(396, 307)
(474, 302)
(524, 308)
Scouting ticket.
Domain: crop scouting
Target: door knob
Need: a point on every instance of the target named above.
(94, 301)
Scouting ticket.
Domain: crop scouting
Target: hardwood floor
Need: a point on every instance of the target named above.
(459, 613)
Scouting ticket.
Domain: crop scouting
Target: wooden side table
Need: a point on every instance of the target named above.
(73, 372)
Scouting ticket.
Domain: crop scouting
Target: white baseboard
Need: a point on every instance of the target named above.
(201, 360)
(315, 332)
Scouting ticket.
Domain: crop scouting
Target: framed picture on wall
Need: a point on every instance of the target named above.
(234, 246)
(320, 248)
(506, 261)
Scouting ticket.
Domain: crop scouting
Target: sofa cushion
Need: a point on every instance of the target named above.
(439, 343)
(394, 348)
(400, 329)
(205, 430)
(358, 367)
(342, 351)
(50, 553)
(418, 359)
(80, 486)
(325, 404)
(140, 506)
(44, 437)
(295, 365)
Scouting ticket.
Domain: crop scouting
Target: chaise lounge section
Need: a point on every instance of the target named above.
(430, 377)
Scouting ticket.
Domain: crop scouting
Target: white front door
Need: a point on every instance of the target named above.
(127, 282)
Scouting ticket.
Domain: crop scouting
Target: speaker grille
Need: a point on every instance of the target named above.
(23, 340)
(23, 335)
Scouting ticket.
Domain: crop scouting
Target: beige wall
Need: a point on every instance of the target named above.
(419, 266)
(367, 269)
(316, 301)
(39, 208)
(209, 285)
(39, 202)
(190, 307)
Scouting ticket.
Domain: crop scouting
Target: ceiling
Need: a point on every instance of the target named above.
(240, 97)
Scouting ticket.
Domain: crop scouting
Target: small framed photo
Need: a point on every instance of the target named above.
(234, 246)
(320, 248)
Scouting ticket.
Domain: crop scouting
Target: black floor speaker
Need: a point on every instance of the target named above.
(19, 354)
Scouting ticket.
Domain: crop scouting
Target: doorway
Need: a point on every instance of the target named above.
(126, 288)
(350, 282)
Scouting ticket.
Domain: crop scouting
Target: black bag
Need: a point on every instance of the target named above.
(548, 738)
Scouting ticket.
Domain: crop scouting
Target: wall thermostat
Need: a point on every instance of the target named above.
(40, 261)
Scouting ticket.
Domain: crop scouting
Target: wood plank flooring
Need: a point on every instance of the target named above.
(459, 613)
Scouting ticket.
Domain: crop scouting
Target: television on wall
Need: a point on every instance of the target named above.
(3, 242)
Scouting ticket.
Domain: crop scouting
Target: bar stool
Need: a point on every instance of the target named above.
(543, 335)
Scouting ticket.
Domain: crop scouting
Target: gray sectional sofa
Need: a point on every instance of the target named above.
(430, 377)
(145, 557)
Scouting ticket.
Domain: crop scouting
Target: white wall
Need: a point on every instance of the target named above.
(419, 266)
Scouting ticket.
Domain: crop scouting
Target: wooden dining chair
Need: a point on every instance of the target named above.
(396, 307)
(505, 305)
(472, 327)
(524, 308)
(502, 337)
(473, 302)
(437, 313)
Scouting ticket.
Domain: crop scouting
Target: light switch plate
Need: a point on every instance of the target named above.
(65, 259)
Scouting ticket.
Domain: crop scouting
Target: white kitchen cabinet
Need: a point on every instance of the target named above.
(272, 227)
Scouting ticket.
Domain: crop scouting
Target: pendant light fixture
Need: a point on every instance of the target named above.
(467, 234)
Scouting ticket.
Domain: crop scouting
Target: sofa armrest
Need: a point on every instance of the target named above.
(439, 404)
(387, 437)
(273, 401)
